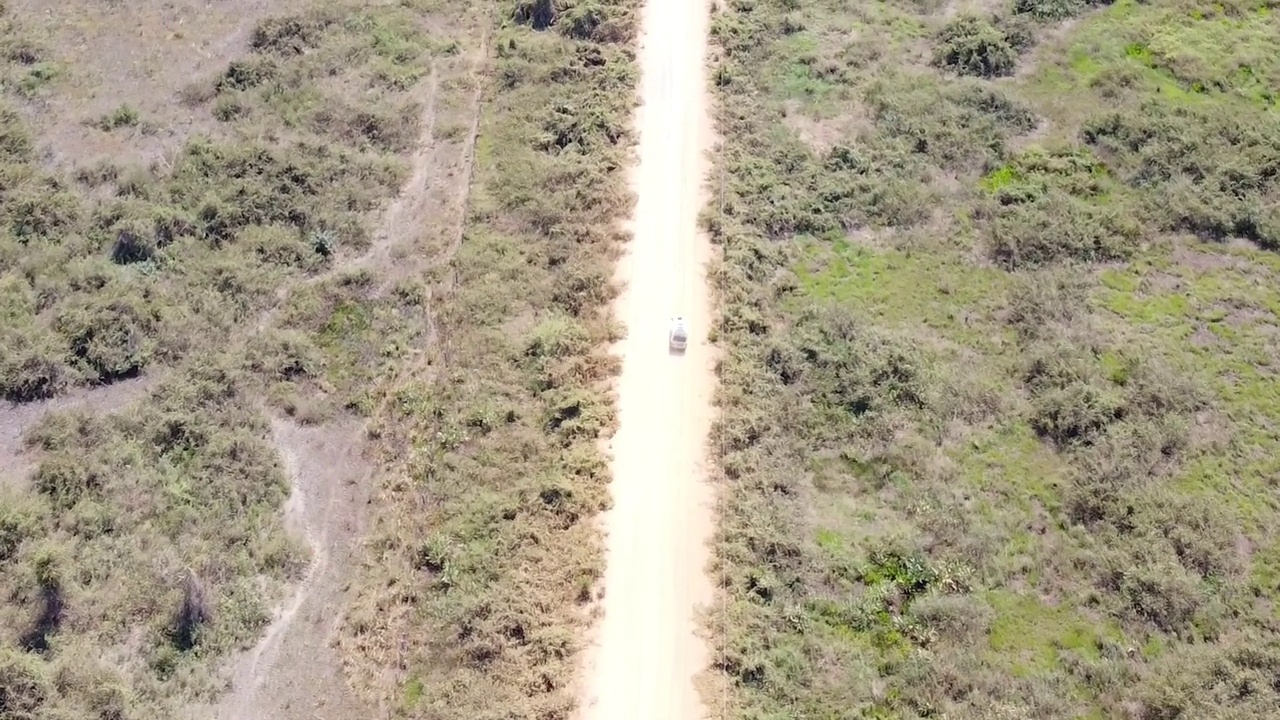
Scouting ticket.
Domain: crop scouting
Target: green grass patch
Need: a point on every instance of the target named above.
(1032, 638)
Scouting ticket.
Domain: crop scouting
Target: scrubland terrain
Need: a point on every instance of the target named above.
(999, 308)
(305, 357)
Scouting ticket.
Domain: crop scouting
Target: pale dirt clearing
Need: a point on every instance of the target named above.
(141, 53)
(647, 651)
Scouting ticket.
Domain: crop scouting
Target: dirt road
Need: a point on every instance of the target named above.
(647, 652)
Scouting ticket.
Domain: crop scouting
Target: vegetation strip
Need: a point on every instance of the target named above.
(150, 544)
(485, 553)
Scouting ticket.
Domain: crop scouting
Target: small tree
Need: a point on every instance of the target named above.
(193, 614)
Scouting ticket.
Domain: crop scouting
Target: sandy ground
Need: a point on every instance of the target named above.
(648, 651)
(142, 53)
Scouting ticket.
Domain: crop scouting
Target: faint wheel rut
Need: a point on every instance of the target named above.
(293, 672)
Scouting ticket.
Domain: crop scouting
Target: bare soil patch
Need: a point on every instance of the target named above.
(108, 55)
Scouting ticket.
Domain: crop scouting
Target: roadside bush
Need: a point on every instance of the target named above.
(970, 45)
(599, 21)
(1049, 10)
(602, 21)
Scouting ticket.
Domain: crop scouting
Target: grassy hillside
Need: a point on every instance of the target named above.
(1000, 315)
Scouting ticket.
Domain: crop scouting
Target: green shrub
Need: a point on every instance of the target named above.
(123, 116)
(1041, 304)
(1055, 9)
(1056, 227)
(285, 355)
(110, 338)
(1047, 207)
(32, 365)
(42, 212)
(537, 14)
(292, 35)
(21, 520)
(602, 21)
(970, 45)
(1204, 172)
(65, 480)
(957, 123)
(248, 73)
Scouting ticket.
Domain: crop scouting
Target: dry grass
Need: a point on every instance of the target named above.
(102, 56)
(484, 552)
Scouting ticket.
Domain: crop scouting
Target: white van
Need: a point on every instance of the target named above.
(678, 337)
